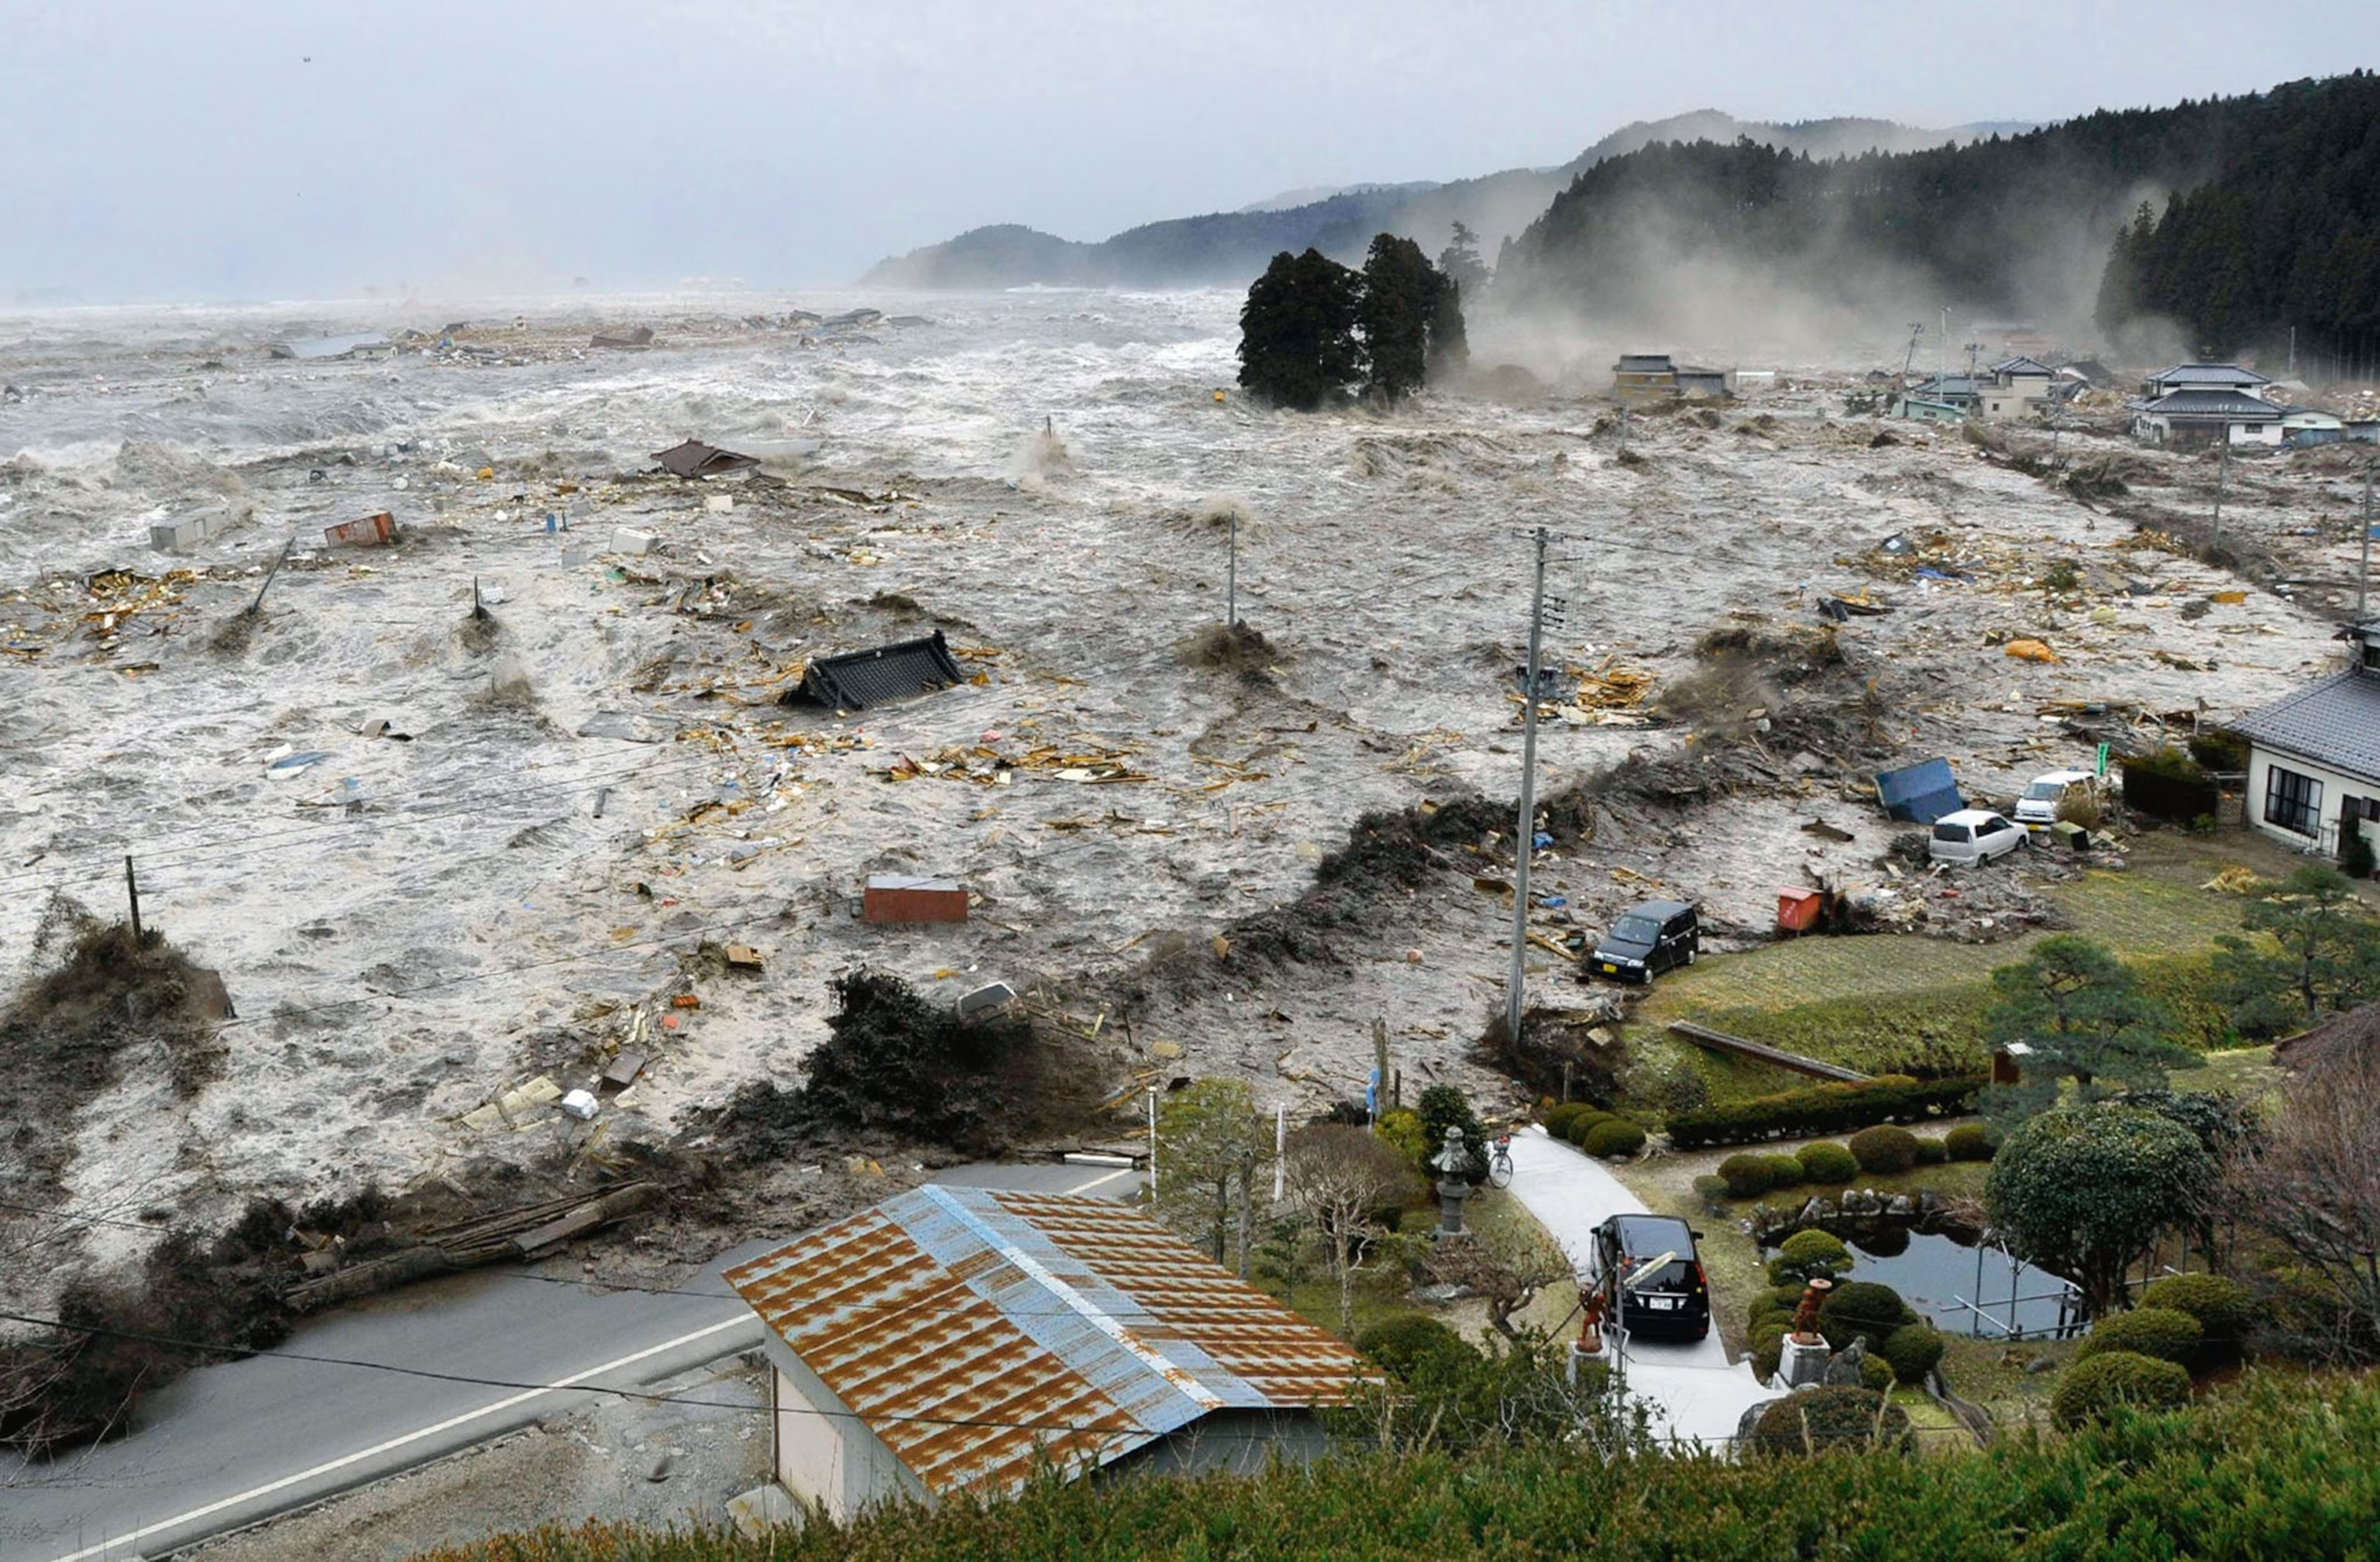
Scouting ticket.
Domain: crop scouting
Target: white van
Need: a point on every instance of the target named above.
(2038, 808)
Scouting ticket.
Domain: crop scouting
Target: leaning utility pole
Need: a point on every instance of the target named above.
(1524, 840)
(1232, 576)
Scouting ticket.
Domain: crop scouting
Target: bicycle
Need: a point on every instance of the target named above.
(1500, 1162)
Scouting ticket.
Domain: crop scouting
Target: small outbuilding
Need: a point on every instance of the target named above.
(956, 1341)
(1643, 376)
(694, 459)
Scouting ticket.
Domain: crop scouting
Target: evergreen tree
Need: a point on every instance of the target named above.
(1297, 331)
(1460, 260)
(1450, 347)
(1400, 294)
(2080, 1014)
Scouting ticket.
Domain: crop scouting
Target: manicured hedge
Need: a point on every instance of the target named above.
(1970, 1141)
(1914, 1350)
(1747, 1177)
(1827, 1164)
(1831, 1417)
(2222, 1306)
(2161, 1332)
(1885, 1149)
(1824, 1109)
(1613, 1136)
(2093, 1386)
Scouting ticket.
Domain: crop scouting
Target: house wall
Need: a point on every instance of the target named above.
(2255, 433)
(1227, 1442)
(830, 1459)
(2336, 787)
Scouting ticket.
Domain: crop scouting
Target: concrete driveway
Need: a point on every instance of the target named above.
(1696, 1394)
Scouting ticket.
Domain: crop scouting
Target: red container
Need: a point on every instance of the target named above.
(896, 899)
(373, 531)
(1797, 910)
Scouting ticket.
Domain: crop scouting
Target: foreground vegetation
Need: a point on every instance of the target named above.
(2272, 1469)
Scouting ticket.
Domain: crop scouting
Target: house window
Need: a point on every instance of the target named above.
(2293, 801)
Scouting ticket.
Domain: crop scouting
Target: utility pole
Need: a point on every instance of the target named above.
(1231, 576)
(1152, 1142)
(1524, 840)
(1909, 358)
(2222, 470)
(2363, 565)
(132, 892)
(1942, 351)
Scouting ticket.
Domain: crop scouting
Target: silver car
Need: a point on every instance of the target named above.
(1972, 835)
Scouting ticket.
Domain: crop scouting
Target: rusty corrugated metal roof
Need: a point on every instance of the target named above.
(979, 1333)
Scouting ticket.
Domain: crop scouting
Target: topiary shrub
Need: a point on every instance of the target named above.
(1784, 1171)
(1970, 1141)
(1912, 1351)
(1585, 1123)
(1402, 1344)
(1808, 1255)
(1710, 1189)
(1747, 1177)
(1932, 1152)
(1820, 1419)
(1613, 1136)
(1768, 1355)
(2222, 1306)
(1876, 1372)
(1827, 1164)
(2093, 1387)
(1862, 1309)
(2161, 1332)
(1558, 1119)
(1885, 1149)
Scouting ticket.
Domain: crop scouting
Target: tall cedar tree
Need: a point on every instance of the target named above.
(1297, 331)
(1400, 294)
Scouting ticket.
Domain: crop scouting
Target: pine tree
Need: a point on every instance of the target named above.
(1297, 331)
(1460, 260)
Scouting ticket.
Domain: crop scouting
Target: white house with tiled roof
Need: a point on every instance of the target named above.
(2314, 756)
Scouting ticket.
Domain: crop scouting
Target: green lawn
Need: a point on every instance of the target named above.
(1895, 1002)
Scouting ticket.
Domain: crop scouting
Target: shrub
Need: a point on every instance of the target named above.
(1862, 1309)
(1558, 1118)
(1806, 1256)
(2096, 1386)
(1829, 1417)
(1747, 1177)
(2222, 1307)
(1768, 1355)
(1585, 1123)
(1784, 1171)
(1823, 1109)
(1876, 1372)
(1613, 1136)
(1885, 1149)
(1912, 1349)
(1970, 1141)
(2161, 1332)
(1932, 1151)
(1443, 1107)
(1402, 1344)
(1399, 1129)
(1827, 1164)
(1710, 1189)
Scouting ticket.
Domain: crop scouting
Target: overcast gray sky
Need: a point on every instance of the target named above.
(217, 149)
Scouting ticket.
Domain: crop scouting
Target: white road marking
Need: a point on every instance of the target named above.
(1096, 1182)
(748, 1320)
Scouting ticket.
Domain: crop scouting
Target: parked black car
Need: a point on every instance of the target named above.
(1672, 1301)
(1650, 938)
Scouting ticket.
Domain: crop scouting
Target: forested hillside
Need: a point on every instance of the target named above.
(2273, 225)
(1230, 247)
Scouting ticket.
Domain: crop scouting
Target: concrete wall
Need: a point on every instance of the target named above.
(831, 1460)
(2337, 784)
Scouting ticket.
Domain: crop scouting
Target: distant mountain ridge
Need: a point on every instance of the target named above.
(1230, 247)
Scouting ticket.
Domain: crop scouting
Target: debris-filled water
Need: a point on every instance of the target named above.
(466, 819)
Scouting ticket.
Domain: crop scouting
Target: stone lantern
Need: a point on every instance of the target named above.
(1452, 1163)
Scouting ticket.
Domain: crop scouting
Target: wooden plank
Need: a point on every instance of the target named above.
(1719, 1041)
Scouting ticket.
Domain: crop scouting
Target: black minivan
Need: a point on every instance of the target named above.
(1650, 938)
(1671, 1302)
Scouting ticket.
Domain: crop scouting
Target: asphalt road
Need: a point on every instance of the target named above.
(228, 1446)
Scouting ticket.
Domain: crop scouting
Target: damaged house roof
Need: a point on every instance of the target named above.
(983, 1334)
(694, 459)
(857, 679)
